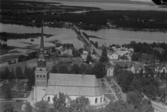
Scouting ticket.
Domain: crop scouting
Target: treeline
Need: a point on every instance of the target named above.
(36, 5)
(5, 36)
(97, 69)
(31, 55)
(159, 50)
(19, 73)
(56, 16)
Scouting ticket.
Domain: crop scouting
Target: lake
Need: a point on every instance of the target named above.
(109, 4)
(64, 35)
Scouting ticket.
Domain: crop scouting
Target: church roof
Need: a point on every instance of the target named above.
(73, 85)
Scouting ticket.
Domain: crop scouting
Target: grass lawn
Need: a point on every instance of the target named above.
(18, 89)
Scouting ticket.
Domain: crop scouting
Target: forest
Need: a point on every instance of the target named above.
(93, 19)
(157, 49)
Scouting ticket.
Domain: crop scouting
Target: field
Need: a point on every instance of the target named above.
(6, 58)
(18, 88)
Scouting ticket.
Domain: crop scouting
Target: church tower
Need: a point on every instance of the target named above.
(41, 70)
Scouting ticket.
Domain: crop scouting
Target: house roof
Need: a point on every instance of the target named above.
(138, 66)
(110, 52)
(74, 84)
(162, 66)
(159, 49)
(124, 64)
(148, 57)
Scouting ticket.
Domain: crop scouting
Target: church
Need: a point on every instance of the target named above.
(47, 84)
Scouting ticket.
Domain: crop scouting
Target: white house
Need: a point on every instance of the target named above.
(84, 55)
(110, 70)
(161, 69)
(136, 68)
(112, 55)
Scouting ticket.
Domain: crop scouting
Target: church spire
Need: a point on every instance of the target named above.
(42, 41)
(41, 59)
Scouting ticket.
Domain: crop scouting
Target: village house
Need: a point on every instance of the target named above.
(112, 55)
(161, 68)
(149, 59)
(84, 55)
(64, 51)
(137, 68)
(110, 69)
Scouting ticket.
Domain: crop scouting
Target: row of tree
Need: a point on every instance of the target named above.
(31, 55)
(134, 103)
(6, 36)
(97, 69)
(157, 49)
(18, 73)
(141, 82)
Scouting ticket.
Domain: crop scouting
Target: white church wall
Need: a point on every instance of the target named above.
(93, 100)
(40, 89)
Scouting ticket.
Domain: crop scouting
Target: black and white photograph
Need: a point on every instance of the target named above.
(83, 55)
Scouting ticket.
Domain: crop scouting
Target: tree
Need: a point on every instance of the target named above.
(134, 98)
(80, 104)
(99, 70)
(63, 68)
(28, 107)
(11, 76)
(96, 44)
(116, 71)
(89, 58)
(21, 58)
(83, 69)
(19, 72)
(41, 106)
(54, 69)
(136, 56)
(60, 103)
(75, 69)
(2, 75)
(147, 106)
(51, 110)
(8, 107)
(31, 77)
(7, 93)
(104, 57)
(6, 73)
(125, 79)
(120, 106)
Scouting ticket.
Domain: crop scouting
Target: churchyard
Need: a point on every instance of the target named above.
(18, 88)
(18, 106)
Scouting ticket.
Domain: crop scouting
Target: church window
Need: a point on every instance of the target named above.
(37, 76)
(48, 99)
(96, 100)
(43, 76)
